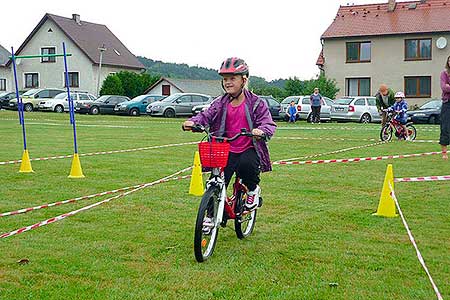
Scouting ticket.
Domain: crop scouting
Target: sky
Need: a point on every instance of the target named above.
(277, 38)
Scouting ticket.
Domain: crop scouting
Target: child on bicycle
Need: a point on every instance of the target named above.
(400, 107)
(228, 114)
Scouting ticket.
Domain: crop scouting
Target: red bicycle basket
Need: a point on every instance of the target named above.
(213, 154)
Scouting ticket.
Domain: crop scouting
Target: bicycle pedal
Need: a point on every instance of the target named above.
(260, 201)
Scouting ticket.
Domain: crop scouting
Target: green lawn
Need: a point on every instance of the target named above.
(315, 237)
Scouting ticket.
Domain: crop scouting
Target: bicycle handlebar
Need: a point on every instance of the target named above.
(201, 128)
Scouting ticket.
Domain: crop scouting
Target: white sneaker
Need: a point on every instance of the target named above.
(252, 201)
(208, 224)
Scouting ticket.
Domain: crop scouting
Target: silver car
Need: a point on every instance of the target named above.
(177, 105)
(357, 109)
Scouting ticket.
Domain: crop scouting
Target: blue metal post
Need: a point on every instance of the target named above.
(71, 112)
(19, 101)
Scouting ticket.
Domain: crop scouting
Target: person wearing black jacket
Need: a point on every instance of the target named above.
(385, 99)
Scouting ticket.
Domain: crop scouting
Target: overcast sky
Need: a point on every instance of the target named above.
(277, 38)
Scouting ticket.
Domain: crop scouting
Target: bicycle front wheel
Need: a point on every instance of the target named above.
(206, 227)
(386, 133)
(244, 223)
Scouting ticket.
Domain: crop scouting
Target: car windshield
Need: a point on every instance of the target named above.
(61, 96)
(431, 104)
(288, 100)
(31, 92)
(344, 101)
(139, 98)
(102, 99)
(3, 94)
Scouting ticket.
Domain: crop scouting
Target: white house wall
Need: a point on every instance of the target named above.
(387, 64)
(5, 73)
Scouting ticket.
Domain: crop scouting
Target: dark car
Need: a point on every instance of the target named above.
(104, 105)
(429, 112)
(5, 97)
(274, 107)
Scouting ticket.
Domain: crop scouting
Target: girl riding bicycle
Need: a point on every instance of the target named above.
(400, 107)
(227, 115)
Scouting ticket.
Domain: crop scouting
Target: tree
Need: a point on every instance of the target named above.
(327, 87)
(112, 86)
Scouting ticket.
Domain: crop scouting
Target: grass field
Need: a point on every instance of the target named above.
(315, 237)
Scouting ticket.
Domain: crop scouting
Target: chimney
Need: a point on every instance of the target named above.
(76, 18)
(391, 5)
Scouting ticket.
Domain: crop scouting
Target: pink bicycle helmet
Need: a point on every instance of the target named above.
(399, 94)
(235, 66)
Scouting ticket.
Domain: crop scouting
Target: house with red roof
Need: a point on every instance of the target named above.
(401, 44)
(96, 53)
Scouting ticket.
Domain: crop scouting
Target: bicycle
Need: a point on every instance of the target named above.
(393, 127)
(215, 206)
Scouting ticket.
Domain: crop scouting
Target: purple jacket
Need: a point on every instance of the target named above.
(258, 116)
(445, 86)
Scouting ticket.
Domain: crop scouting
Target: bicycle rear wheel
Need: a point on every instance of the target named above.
(386, 133)
(243, 223)
(205, 238)
(412, 132)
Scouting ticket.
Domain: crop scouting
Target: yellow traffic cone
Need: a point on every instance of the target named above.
(25, 165)
(196, 186)
(386, 206)
(75, 171)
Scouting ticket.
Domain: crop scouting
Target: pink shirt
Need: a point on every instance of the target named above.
(236, 120)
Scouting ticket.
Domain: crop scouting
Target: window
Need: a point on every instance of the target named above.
(360, 102)
(198, 99)
(2, 84)
(358, 86)
(418, 86)
(372, 101)
(184, 99)
(418, 49)
(83, 96)
(358, 52)
(74, 79)
(43, 94)
(31, 80)
(166, 90)
(46, 51)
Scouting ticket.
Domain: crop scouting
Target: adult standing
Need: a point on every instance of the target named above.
(385, 99)
(444, 139)
(316, 102)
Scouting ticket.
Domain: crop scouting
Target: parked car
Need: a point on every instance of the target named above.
(358, 109)
(5, 97)
(429, 112)
(202, 107)
(304, 108)
(31, 98)
(60, 104)
(104, 104)
(177, 104)
(137, 105)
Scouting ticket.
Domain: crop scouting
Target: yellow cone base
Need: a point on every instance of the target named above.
(196, 185)
(76, 171)
(25, 165)
(386, 206)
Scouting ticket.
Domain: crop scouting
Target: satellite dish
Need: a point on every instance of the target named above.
(441, 42)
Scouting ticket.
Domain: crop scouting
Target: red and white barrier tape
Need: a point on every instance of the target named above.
(357, 159)
(333, 152)
(419, 179)
(28, 209)
(63, 216)
(98, 153)
(411, 238)
(365, 128)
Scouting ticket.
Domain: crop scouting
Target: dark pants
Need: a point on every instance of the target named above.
(445, 124)
(246, 166)
(315, 114)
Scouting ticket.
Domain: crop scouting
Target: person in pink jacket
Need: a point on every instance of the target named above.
(444, 139)
(240, 108)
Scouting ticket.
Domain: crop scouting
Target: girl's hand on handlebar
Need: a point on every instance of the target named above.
(258, 133)
(187, 125)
